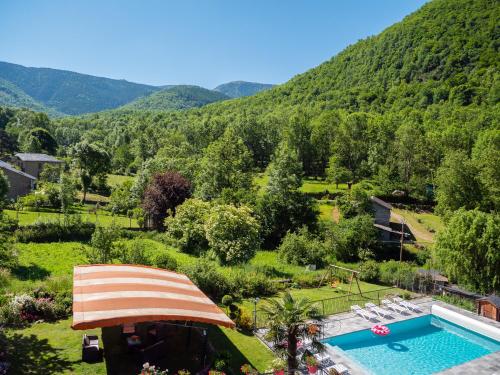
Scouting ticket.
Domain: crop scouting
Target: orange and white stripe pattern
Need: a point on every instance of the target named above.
(112, 294)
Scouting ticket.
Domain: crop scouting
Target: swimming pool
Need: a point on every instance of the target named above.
(417, 346)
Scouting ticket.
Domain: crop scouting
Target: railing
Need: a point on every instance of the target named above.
(339, 304)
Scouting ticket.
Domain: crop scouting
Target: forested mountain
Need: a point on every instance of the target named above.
(394, 110)
(237, 89)
(177, 97)
(72, 93)
(12, 96)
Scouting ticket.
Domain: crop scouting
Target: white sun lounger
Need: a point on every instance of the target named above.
(341, 369)
(363, 313)
(394, 307)
(407, 304)
(321, 357)
(377, 310)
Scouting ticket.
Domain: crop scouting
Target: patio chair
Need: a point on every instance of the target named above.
(323, 358)
(395, 307)
(377, 310)
(363, 313)
(407, 304)
(90, 349)
(339, 367)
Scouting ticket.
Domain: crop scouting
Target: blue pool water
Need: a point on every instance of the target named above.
(418, 346)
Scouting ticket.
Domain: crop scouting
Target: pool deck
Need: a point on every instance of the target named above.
(349, 322)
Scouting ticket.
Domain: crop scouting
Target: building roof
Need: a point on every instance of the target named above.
(388, 229)
(11, 168)
(380, 202)
(114, 294)
(435, 274)
(37, 157)
(493, 299)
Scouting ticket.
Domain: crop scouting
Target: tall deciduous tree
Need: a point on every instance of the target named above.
(468, 249)
(91, 161)
(283, 207)
(457, 183)
(486, 158)
(163, 194)
(226, 165)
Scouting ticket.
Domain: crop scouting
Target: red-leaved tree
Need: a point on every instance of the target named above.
(163, 194)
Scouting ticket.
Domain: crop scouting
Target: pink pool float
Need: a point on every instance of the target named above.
(380, 330)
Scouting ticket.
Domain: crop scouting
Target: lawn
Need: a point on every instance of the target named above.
(61, 345)
(102, 218)
(424, 226)
(309, 185)
(115, 180)
(50, 348)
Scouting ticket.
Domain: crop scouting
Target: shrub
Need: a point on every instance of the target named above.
(25, 308)
(133, 252)
(301, 249)
(205, 275)
(307, 280)
(244, 321)
(165, 261)
(251, 284)
(71, 229)
(232, 233)
(187, 229)
(103, 249)
(227, 300)
(369, 271)
(4, 277)
(394, 272)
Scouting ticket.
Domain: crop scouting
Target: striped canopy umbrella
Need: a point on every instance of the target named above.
(107, 295)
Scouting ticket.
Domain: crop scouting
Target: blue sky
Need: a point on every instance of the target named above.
(204, 42)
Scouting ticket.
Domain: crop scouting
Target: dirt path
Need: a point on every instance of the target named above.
(335, 214)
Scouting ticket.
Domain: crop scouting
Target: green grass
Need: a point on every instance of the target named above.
(309, 185)
(242, 348)
(115, 180)
(103, 218)
(320, 186)
(50, 348)
(424, 225)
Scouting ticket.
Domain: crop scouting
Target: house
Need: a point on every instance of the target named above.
(33, 163)
(20, 183)
(382, 211)
(433, 275)
(489, 307)
(388, 232)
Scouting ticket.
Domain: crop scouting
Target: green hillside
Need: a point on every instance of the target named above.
(447, 51)
(176, 97)
(238, 89)
(72, 93)
(390, 108)
(12, 96)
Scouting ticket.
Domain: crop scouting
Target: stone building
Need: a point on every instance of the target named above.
(20, 183)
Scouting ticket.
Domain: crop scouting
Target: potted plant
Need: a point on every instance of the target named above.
(247, 369)
(313, 329)
(278, 366)
(312, 364)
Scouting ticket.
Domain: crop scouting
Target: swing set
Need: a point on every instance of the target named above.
(334, 274)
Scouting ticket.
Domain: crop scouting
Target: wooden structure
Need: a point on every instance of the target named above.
(489, 307)
(330, 274)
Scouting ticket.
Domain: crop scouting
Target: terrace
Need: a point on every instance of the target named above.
(349, 322)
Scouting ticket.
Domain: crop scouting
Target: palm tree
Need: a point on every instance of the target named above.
(287, 318)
